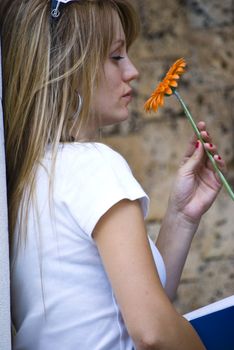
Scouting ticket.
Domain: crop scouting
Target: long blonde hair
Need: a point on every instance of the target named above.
(46, 63)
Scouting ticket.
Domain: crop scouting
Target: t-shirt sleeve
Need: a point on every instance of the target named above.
(99, 179)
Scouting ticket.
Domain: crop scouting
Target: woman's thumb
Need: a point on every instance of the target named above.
(195, 160)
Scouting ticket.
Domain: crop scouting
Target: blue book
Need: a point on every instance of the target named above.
(214, 323)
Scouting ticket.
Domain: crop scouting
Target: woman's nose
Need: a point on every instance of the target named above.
(130, 72)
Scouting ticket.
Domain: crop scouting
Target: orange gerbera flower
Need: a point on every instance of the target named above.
(166, 86)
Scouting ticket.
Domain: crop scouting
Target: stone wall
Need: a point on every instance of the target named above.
(201, 31)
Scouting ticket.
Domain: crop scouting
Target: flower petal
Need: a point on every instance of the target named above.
(173, 83)
(164, 87)
(161, 101)
(180, 70)
(175, 76)
(168, 91)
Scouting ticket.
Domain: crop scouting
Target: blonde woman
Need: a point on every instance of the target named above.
(85, 275)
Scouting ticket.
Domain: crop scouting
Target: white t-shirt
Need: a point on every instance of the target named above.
(61, 296)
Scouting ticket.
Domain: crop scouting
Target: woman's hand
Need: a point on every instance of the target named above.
(195, 189)
(197, 184)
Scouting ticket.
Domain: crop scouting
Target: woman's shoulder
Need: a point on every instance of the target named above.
(87, 148)
(89, 154)
(96, 175)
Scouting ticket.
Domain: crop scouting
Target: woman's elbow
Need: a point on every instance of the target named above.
(172, 332)
(148, 341)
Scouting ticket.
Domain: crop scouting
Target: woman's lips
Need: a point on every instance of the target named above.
(128, 96)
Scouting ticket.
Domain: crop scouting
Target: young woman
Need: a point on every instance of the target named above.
(85, 275)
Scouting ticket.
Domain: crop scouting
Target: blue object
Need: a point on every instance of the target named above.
(216, 329)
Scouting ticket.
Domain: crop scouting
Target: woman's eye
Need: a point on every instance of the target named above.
(117, 58)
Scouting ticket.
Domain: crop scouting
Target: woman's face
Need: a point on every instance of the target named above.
(113, 94)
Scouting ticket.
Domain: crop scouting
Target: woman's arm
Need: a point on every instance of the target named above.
(174, 242)
(195, 189)
(150, 318)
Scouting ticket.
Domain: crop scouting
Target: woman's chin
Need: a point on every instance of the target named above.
(113, 120)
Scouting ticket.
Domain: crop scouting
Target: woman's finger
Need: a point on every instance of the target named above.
(201, 125)
(221, 163)
(190, 148)
(206, 136)
(193, 141)
(210, 147)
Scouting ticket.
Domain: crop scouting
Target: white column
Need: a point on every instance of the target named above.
(5, 319)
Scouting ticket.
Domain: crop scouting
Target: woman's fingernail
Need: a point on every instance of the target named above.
(211, 145)
(219, 158)
(197, 144)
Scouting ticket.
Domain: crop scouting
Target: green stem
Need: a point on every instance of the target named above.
(197, 132)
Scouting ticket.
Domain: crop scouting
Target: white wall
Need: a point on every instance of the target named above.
(5, 334)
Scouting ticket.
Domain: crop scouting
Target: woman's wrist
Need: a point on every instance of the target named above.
(177, 218)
